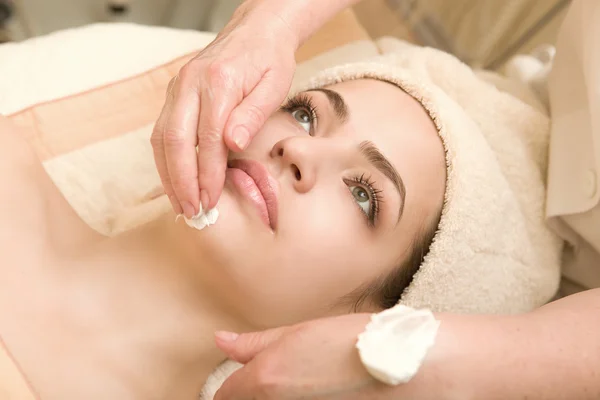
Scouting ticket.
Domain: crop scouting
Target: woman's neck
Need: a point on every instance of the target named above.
(140, 296)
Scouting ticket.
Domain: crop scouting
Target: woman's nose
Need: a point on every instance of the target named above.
(297, 157)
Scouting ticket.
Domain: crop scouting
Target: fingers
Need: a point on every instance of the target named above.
(246, 346)
(179, 141)
(251, 114)
(158, 148)
(217, 102)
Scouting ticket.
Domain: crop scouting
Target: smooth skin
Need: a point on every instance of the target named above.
(551, 353)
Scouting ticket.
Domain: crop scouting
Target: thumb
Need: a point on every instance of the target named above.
(243, 348)
(251, 114)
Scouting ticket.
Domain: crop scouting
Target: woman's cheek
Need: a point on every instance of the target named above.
(326, 226)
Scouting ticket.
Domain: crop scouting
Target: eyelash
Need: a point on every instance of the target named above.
(305, 102)
(375, 194)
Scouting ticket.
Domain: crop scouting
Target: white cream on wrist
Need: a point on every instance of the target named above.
(395, 343)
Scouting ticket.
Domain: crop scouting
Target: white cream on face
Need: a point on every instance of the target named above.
(202, 219)
(395, 343)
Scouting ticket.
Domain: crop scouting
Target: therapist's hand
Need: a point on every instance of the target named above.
(313, 360)
(219, 101)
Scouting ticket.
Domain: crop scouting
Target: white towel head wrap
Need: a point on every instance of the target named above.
(493, 251)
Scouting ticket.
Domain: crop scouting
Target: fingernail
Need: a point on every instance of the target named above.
(226, 336)
(175, 205)
(204, 199)
(241, 137)
(188, 209)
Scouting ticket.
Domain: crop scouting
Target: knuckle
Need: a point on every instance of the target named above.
(156, 139)
(219, 73)
(187, 72)
(253, 341)
(182, 183)
(179, 184)
(255, 116)
(215, 70)
(171, 84)
(173, 137)
(209, 138)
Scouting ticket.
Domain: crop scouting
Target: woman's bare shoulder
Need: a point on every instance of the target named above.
(20, 174)
(30, 203)
(14, 148)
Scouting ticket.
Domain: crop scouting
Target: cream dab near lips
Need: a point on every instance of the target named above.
(202, 219)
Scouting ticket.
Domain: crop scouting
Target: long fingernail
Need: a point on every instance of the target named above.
(226, 336)
(204, 199)
(175, 204)
(188, 209)
(241, 137)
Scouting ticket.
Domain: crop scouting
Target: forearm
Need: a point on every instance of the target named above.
(551, 353)
(302, 17)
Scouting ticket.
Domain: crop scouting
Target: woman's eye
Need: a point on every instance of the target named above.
(362, 197)
(304, 118)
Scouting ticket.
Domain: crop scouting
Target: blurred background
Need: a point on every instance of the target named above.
(483, 33)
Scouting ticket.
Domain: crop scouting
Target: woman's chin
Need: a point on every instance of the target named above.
(234, 234)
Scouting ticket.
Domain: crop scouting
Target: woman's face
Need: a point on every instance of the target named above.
(329, 197)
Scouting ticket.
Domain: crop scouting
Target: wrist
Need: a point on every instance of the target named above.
(264, 16)
(473, 358)
(394, 344)
(296, 20)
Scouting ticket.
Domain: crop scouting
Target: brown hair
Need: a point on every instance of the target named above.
(387, 291)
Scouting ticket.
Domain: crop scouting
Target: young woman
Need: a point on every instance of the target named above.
(329, 210)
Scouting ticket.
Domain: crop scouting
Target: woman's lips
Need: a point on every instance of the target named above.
(254, 182)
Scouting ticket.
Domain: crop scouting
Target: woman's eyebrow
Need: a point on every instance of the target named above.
(368, 150)
(378, 161)
(337, 103)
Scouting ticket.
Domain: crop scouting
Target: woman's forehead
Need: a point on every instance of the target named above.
(385, 114)
(371, 97)
(403, 131)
